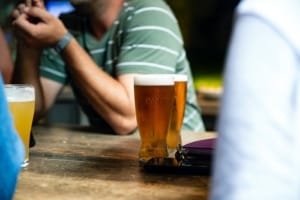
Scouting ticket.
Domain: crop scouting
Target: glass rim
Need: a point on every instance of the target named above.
(18, 85)
(19, 92)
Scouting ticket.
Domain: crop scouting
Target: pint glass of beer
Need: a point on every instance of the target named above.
(174, 136)
(154, 96)
(21, 100)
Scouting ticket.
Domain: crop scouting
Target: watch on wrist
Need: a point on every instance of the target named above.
(63, 42)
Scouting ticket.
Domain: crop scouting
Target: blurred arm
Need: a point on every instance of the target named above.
(112, 98)
(28, 61)
(6, 63)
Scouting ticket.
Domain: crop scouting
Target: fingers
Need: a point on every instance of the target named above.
(27, 18)
(36, 13)
(30, 22)
(22, 23)
(20, 9)
(27, 5)
(39, 13)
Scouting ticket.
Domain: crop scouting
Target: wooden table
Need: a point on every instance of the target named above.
(78, 163)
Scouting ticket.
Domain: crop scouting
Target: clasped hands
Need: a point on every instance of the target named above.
(34, 26)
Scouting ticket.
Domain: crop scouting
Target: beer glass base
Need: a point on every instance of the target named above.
(148, 153)
(142, 162)
(25, 163)
(171, 153)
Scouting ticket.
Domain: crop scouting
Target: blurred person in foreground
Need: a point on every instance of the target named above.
(258, 146)
(97, 49)
(11, 150)
(11, 147)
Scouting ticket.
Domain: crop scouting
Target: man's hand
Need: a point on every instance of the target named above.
(45, 30)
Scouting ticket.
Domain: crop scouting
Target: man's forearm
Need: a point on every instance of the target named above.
(27, 72)
(27, 62)
(111, 98)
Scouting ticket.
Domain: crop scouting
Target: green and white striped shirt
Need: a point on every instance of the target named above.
(145, 38)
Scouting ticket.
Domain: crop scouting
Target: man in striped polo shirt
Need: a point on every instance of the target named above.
(98, 48)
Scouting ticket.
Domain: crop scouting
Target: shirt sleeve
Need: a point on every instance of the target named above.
(151, 40)
(53, 67)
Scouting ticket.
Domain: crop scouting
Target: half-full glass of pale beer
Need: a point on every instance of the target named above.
(21, 100)
(154, 96)
(180, 92)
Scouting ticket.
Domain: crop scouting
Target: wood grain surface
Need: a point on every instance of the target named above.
(80, 163)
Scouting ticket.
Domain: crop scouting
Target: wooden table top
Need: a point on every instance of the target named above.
(78, 163)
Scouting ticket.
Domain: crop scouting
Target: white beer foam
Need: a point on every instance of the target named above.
(154, 79)
(180, 77)
(19, 93)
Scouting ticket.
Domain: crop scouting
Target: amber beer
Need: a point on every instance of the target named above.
(21, 100)
(180, 92)
(154, 95)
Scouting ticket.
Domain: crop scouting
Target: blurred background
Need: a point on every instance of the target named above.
(206, 28)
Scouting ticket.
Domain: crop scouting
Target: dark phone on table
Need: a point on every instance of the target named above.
(193, 158)
(172, 165)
